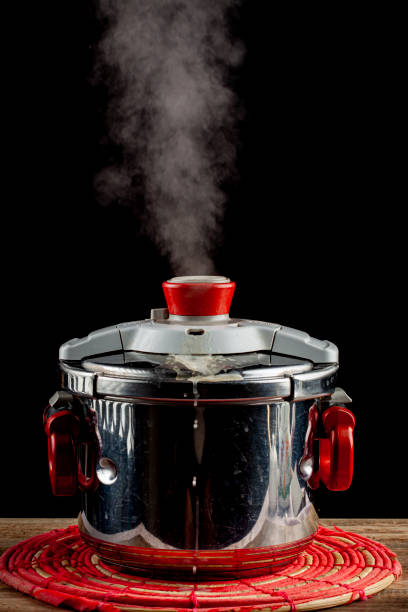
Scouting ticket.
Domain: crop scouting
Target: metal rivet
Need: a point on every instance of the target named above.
(306, 468)
(106, 471)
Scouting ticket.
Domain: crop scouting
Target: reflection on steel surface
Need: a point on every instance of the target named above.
(221, 477)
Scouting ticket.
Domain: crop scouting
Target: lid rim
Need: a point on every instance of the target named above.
(320, 381)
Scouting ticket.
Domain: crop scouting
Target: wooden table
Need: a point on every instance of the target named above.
(391, 532)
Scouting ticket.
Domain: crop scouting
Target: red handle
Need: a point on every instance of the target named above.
(62, 429)
(336, 453)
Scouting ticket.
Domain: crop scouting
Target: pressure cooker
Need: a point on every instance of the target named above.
(196, 439)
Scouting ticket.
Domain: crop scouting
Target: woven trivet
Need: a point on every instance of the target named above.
(337, 567)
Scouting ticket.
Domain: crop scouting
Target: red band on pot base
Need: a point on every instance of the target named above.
(198, 564)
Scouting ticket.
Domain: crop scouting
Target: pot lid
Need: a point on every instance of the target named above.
(196, 322)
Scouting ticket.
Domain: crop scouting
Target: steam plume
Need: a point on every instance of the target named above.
(174, 117)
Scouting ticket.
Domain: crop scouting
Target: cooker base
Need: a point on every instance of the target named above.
(194, 565)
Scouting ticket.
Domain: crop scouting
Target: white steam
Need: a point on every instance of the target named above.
(174, 116)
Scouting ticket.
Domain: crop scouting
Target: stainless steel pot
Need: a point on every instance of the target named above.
(195, 438)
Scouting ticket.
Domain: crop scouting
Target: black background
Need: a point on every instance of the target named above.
(314, 232)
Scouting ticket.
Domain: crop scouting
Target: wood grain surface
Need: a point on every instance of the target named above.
(391, 532)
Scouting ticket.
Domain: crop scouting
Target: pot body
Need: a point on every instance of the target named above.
(198, 490)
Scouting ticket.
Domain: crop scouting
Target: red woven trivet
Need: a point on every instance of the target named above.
(337, 567)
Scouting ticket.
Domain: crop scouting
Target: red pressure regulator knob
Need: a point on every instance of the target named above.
(336, 453)
(62, 429)
(198, 296)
